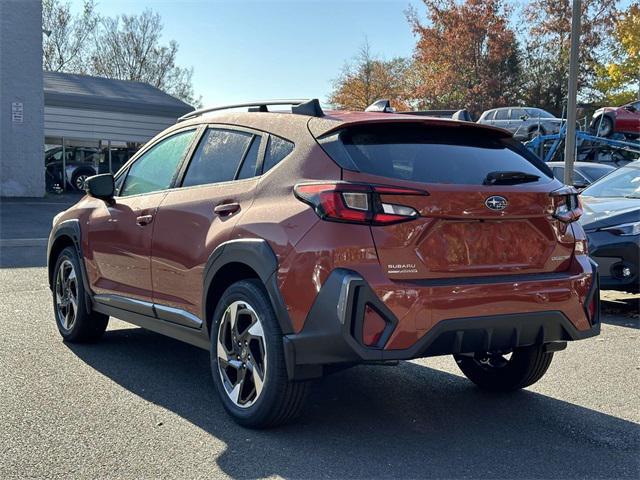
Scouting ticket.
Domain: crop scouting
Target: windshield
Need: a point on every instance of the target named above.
(596, 172)
(538, 113)
(624, 182)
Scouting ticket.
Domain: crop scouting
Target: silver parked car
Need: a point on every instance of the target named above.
(584, 173)
(523, 122)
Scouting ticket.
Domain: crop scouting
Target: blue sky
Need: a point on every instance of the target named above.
(249, 50)
(246, 50)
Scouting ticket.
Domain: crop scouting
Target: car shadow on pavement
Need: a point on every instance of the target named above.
(623, 312)
(379, 422)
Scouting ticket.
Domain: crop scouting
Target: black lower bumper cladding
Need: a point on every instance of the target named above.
(332, 331)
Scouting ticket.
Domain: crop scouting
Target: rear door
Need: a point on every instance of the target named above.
(628, 119)
(517, 124)
(465, 226)
(119, 233)
(501, 119)
(216, 188)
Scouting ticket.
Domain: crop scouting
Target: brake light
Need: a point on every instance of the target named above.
(566, 204)
(356, 202)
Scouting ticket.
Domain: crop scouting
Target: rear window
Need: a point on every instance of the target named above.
(422, 153)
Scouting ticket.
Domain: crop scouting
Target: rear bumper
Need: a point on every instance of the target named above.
(332, 333)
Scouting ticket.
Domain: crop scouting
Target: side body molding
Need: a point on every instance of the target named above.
(256, 254)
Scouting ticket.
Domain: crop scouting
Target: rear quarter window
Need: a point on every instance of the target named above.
(423, 153)
(277, 149)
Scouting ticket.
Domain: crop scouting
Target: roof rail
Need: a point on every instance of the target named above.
(303, 106)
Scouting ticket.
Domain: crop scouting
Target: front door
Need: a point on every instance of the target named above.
(119, 234)
(628, 119)
(194, 219)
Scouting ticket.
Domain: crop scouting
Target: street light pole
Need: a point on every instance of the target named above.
(570, 139)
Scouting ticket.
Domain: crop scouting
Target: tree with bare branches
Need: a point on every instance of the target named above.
(67, 37)
(125, 47)
(128, 47)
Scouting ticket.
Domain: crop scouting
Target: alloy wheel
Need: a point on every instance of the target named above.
(66, 291)
(242, 354)
(80, 181)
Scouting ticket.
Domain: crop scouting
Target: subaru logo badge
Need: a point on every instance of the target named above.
(496, 202)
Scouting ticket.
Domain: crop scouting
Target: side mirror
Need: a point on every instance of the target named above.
(524, 117)
(101, 186)
(580, 184)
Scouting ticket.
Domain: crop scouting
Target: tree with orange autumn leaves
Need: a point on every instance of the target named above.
(468, 54)
(367, 79)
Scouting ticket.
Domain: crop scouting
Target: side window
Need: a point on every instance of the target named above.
(250, 162)
(217, 157)
(517, 113)
(155, 169)
(277, 149)
(490, 115)
(502, 114)
(119, 182)
(558, 172)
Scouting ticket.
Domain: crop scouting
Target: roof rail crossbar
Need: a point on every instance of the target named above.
(256, 106)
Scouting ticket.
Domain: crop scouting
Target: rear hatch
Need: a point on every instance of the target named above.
(486, 208)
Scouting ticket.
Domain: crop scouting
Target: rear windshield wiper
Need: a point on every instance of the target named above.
(509, 178)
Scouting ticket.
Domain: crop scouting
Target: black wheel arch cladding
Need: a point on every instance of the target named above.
(256, 254)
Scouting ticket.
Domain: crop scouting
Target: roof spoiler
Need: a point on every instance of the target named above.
(298, 106)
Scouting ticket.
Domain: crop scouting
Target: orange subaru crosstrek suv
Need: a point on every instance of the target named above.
(293, 244)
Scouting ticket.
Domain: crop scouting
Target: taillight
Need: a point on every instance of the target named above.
(356, 202)
(566, 204)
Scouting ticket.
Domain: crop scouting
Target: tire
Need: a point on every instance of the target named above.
(526, 366)
(603, 126)
(244, 315)
(78, 179)
(74, 323)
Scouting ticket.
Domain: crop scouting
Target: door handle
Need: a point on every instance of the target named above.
(143, 220)
(226, 209)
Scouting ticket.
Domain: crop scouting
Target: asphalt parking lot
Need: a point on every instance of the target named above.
(138, 405)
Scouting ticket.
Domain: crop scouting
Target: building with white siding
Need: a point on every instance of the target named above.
(82, 107)
(82, 122)
(93, 124)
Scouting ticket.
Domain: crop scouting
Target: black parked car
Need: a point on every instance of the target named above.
(611, 220)
(81, 163)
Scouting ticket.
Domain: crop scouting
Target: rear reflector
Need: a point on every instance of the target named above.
(356, 202)
(372, 327)
(593, 304)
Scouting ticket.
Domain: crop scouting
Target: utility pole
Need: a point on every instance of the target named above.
(570, 139)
